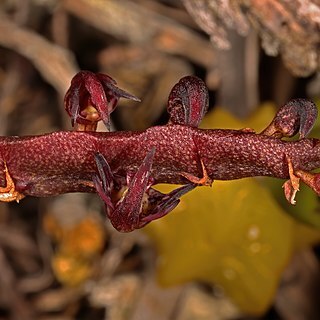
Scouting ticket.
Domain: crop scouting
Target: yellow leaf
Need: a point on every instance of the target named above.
(222, 119)
(234, 234)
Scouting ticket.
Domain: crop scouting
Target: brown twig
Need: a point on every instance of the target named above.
(56, 65)
(127, 21)
(289, 27)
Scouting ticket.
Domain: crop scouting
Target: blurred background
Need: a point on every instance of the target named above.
(230, 252)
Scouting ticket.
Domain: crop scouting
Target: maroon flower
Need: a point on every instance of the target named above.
(91, 98)
(130, 202)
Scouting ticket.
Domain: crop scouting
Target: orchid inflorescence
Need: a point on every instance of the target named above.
(123, 166)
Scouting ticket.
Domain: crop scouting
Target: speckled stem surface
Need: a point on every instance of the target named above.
(62, 162)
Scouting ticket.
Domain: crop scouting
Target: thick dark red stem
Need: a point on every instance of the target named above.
(63, 162)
